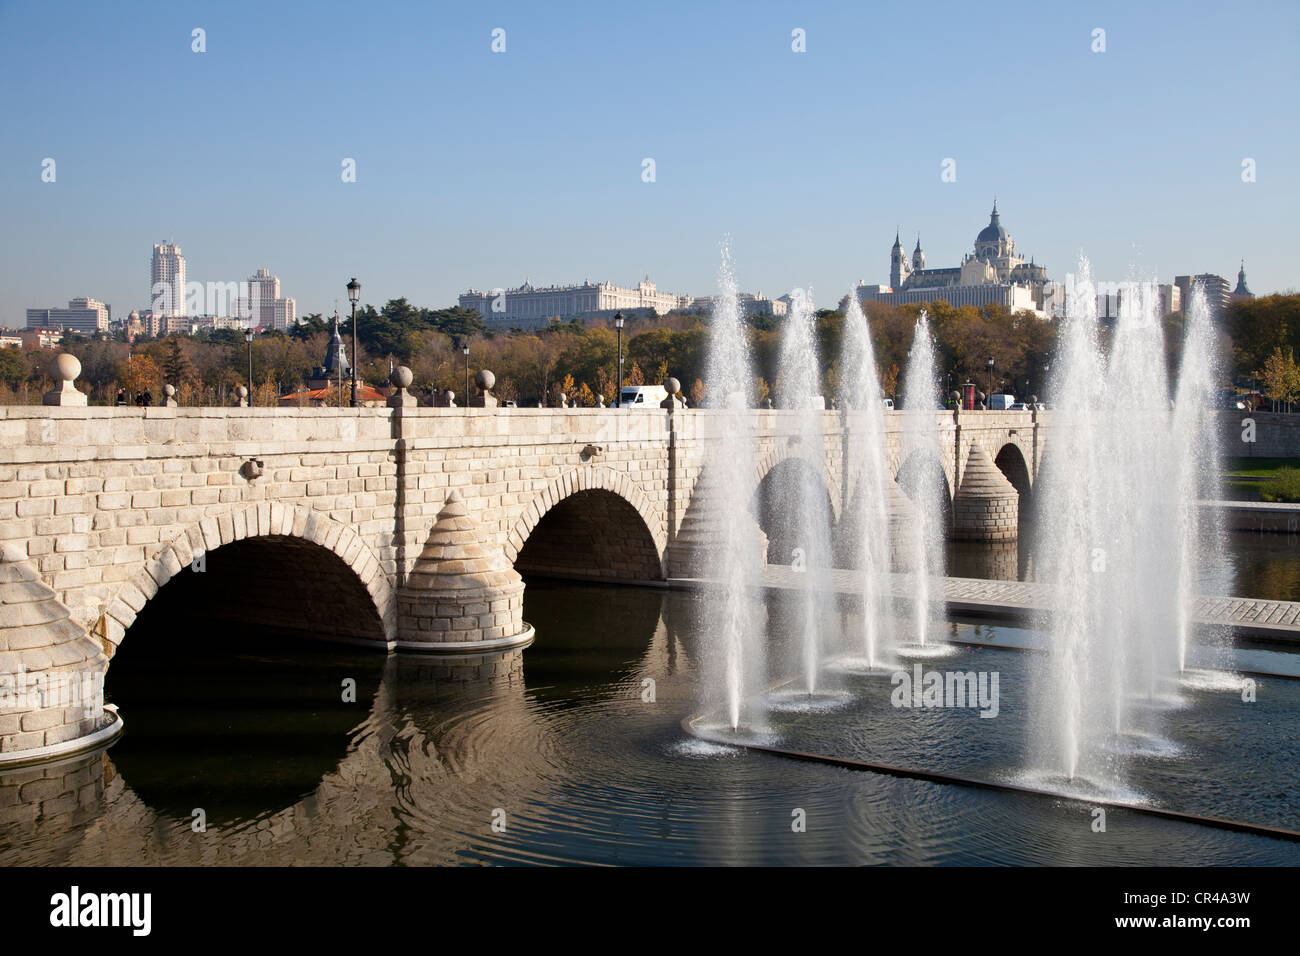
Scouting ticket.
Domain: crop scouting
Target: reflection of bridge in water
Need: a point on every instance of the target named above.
(443, 744)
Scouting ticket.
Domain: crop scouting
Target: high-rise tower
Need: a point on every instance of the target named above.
(167, 280)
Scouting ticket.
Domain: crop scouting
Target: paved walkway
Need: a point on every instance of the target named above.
(1278, 620)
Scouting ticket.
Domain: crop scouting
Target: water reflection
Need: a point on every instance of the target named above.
(560, 745)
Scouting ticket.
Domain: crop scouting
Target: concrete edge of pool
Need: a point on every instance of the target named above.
(931, 776)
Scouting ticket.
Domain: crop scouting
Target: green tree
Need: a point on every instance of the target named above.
(307, 326)
(460, 324)
(177, 368)
(13, 370)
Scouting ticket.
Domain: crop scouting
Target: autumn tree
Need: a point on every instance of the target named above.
(140, 373)
(1281, 377)
(697, 393)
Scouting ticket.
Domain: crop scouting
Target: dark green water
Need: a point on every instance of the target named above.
(562, 748)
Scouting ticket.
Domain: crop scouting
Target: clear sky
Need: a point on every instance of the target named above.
(480, 169)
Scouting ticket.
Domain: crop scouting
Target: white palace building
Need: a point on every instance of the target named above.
(530, 307)
(992, 275)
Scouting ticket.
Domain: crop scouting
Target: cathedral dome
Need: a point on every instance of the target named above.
(993, 232)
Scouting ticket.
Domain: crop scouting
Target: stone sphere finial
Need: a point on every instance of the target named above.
(485, 379)
(68, 365)
(169, 390)
(241, 391)
(451, 396)
(672, 386)
(401, 377)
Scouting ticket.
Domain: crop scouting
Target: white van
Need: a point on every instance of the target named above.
(1001, 403)
(642, 396)
(888, 403)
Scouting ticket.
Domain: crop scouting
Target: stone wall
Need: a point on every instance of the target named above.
(1275, 434)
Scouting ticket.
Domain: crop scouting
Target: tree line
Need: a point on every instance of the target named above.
(579, 360)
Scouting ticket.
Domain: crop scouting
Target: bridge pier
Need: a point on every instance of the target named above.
(51, 672)
(460, 596)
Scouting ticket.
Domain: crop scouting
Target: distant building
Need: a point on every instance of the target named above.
(284, 314)
(1217, 291)
(529, 306)
(264, 306)
(750, 304)
(134, 325)
(1170, 298)
(206, 323)
(167, 280)
(993, 274)
(10, 340)
(83, 315)
(335, 368)
(1242, 291)
(41, 338)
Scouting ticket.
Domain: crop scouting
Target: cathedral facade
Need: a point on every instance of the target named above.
(990, 275)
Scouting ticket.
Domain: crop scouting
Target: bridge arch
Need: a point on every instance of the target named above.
(596, 518)
(268, 535)
(790, 494)
(770, 456)
(922, 474)
(1011, 461)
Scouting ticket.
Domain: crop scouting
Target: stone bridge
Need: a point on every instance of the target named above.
(397, 527)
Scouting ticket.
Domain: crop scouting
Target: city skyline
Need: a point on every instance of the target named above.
(471, 172)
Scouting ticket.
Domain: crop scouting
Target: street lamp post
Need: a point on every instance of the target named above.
(354, 293)
(618, 324)
(466, 350)
(248, 337)
(990, 374)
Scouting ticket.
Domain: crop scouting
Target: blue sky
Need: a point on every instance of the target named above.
(478, 169)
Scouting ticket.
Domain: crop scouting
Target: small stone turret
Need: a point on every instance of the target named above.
(461, 595)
